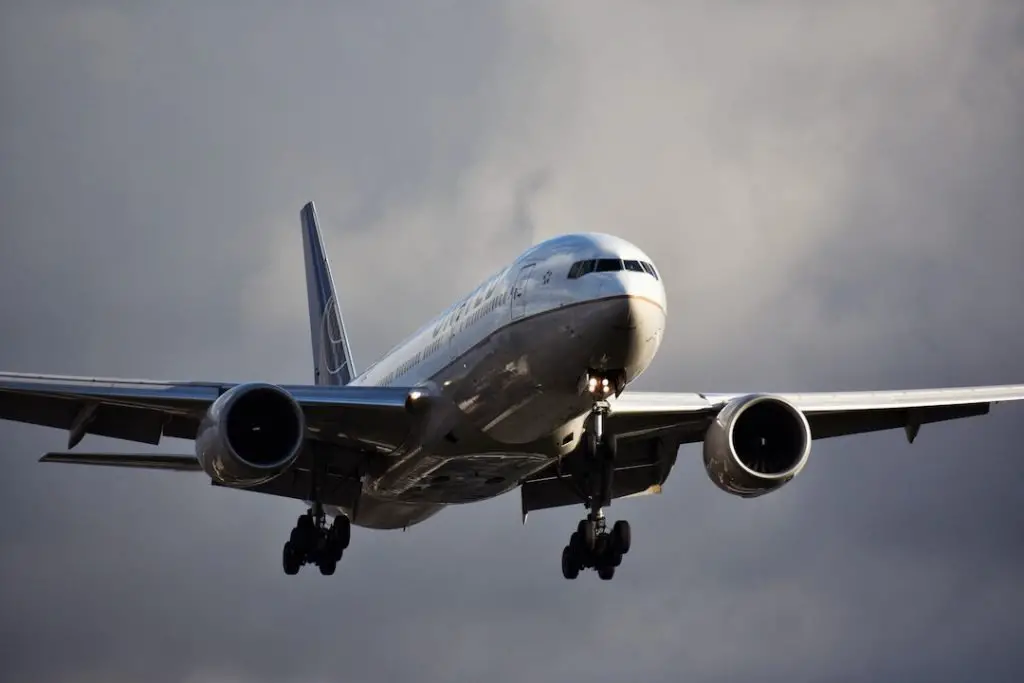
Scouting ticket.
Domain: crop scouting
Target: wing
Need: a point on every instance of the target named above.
(650, 427)
(687, 416)
(144, 411)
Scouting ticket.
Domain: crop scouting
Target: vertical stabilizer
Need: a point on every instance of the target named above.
(332, 357)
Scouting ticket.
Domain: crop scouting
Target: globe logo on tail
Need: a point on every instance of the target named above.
(332, 342)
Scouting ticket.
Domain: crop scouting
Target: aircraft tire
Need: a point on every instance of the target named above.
(570, 567)
(341, 532)
(588, 534)
(622, 536)
(290, 559)
(576, 543)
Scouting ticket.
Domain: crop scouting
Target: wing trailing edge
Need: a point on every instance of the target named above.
(178, 463)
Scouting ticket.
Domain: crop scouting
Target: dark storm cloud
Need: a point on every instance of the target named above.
(833, 196)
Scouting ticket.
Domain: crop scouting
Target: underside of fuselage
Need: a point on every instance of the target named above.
(521, 402)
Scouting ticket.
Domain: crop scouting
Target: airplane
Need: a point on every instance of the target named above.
(523, 383)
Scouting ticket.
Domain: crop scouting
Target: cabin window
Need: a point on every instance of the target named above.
(633, 266)
(607, 265)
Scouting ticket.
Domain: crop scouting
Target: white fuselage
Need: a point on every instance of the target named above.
(512, 355)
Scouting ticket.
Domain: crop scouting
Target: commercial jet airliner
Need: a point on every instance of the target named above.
(523, 383)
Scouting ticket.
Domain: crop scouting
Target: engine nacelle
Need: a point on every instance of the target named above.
(250, 434)
(756, 444)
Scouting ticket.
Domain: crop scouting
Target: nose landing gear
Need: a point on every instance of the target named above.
(593, 545)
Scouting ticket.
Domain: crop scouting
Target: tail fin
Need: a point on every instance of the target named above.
(332, 357)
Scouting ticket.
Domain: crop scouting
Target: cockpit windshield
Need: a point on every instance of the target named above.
(607, 265)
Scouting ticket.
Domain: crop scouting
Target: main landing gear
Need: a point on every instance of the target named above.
(313, 542)
(593, 545)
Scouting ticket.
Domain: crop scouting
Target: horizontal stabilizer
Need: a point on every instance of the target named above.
(180, 463)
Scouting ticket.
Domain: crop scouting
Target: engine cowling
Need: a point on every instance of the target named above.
(756, 444)
(250, 434)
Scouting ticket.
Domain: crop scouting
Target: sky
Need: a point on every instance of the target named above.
(832, 192)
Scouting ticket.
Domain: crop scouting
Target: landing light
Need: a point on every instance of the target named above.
(599, 386)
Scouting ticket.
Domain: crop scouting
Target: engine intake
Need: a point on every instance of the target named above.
(756, 444)
(252, 433)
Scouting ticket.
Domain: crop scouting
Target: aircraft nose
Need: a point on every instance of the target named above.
(637, 320)
(644, 292)
(646, 325)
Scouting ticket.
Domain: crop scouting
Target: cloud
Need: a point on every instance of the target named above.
(831, 191)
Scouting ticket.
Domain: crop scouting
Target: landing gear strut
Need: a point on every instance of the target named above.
(312, 541)
(593, 545)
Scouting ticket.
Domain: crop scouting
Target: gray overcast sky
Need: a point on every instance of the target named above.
(833, 191)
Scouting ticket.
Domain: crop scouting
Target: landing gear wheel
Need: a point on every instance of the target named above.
(304, 535)
(587, 532)
(606, 572)
(303, 538)
(622, 536)
(341, 532)
(313, 542)
(291, 559)
(570, 568)
(576, 544)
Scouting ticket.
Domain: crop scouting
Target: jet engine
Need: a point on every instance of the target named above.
(250, 434)
(756, 444)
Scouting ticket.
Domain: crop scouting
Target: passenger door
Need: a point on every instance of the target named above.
(519, 291)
